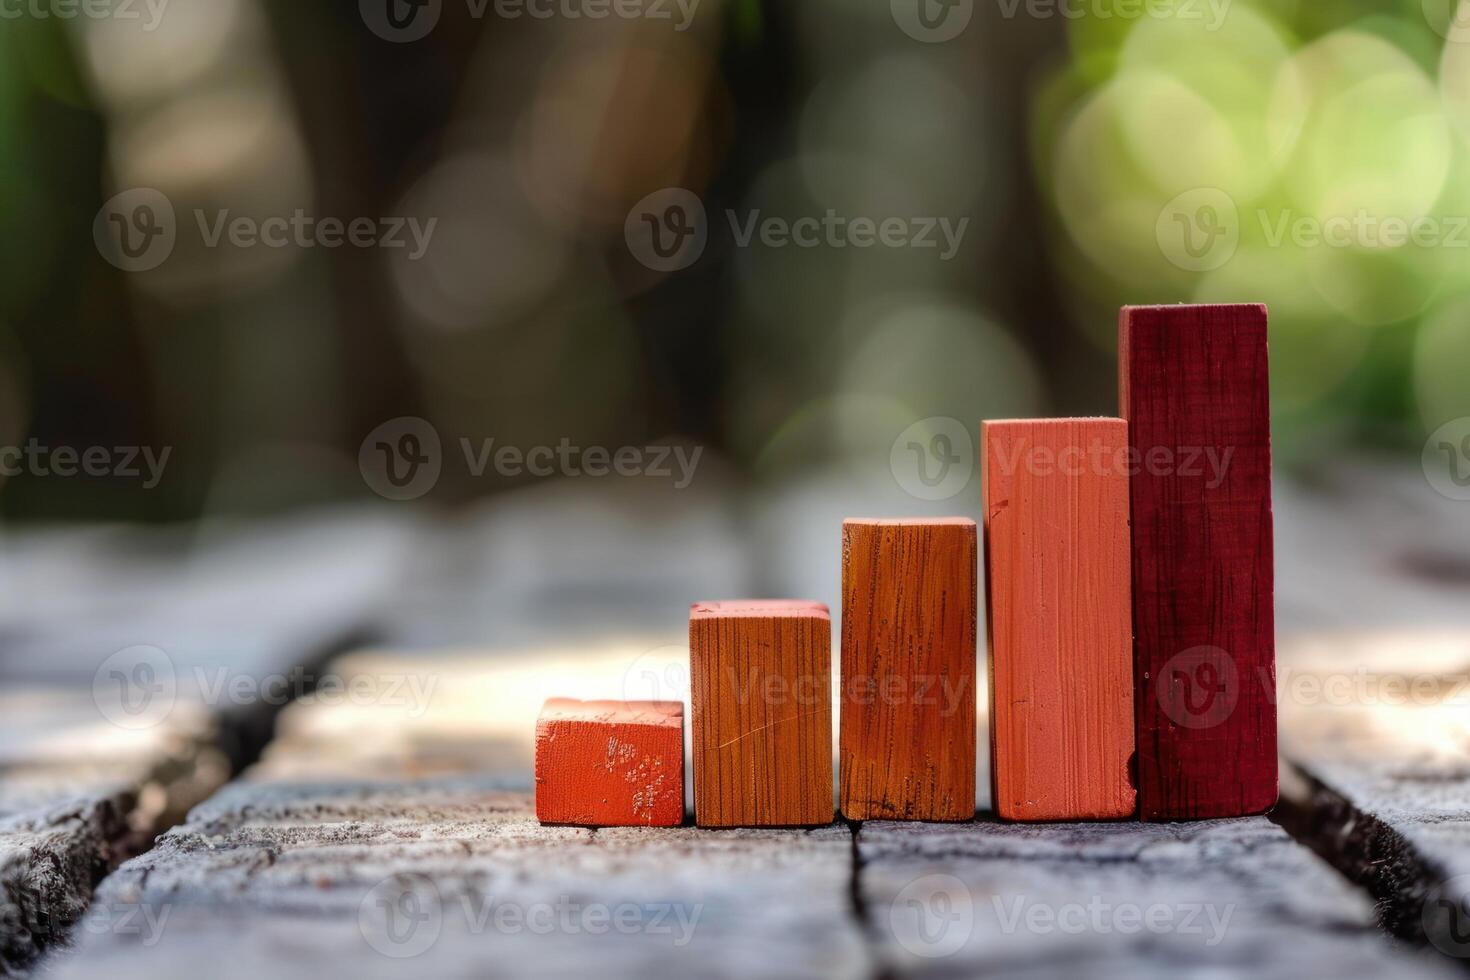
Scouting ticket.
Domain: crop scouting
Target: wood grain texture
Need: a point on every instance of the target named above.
(761, 691)
(907, 745)
(610, 763)
(1059, 619)
(1194, 382)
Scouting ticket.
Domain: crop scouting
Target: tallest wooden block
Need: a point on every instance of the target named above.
(1194, 392)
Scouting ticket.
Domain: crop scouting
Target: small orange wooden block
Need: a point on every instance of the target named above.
(1059, 618)
(908, 669)
(610, 763)
(761, 691)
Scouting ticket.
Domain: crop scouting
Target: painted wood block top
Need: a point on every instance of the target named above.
(1194, 384)
(1059, 618)
(907, 744)
(610, 763)
(761, 691)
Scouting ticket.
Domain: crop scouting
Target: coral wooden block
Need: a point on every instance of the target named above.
(1194, 383)
(610, 763)
(761, 692)
(907, 744)
(1059, 617)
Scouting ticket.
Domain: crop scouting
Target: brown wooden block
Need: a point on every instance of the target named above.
(610, 763)
(1195, 394)
(1059, 615)
(761, 690)
(907, 743)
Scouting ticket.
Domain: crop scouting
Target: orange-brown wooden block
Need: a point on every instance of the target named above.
(610, 763)
(1059, 618)
(908, 670)
(761, 692)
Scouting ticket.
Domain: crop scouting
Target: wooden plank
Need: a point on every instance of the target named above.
(77, 797)
(1059, 619)
(1195, 394)
(907, 742)
(1216, 898)
(761, 688)
(455, 877)
(138, 674)
(1376, 726)
(610, 763)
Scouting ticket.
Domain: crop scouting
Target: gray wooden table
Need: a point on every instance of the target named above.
(383, 825)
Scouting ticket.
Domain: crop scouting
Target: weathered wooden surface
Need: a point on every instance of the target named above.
(76, 797)
(288, 880)
(271, 876)
(1377, 727)
(1217, 898)
(139, 670)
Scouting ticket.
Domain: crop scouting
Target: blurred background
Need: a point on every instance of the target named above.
(523, 324)
(1061, 132)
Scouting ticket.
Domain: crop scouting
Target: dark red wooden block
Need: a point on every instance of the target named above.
(1194, 392)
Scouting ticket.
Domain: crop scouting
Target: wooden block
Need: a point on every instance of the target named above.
(907, 744)
(610, 763)
(1059, 618)
(1194, 392)
(761, 689)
